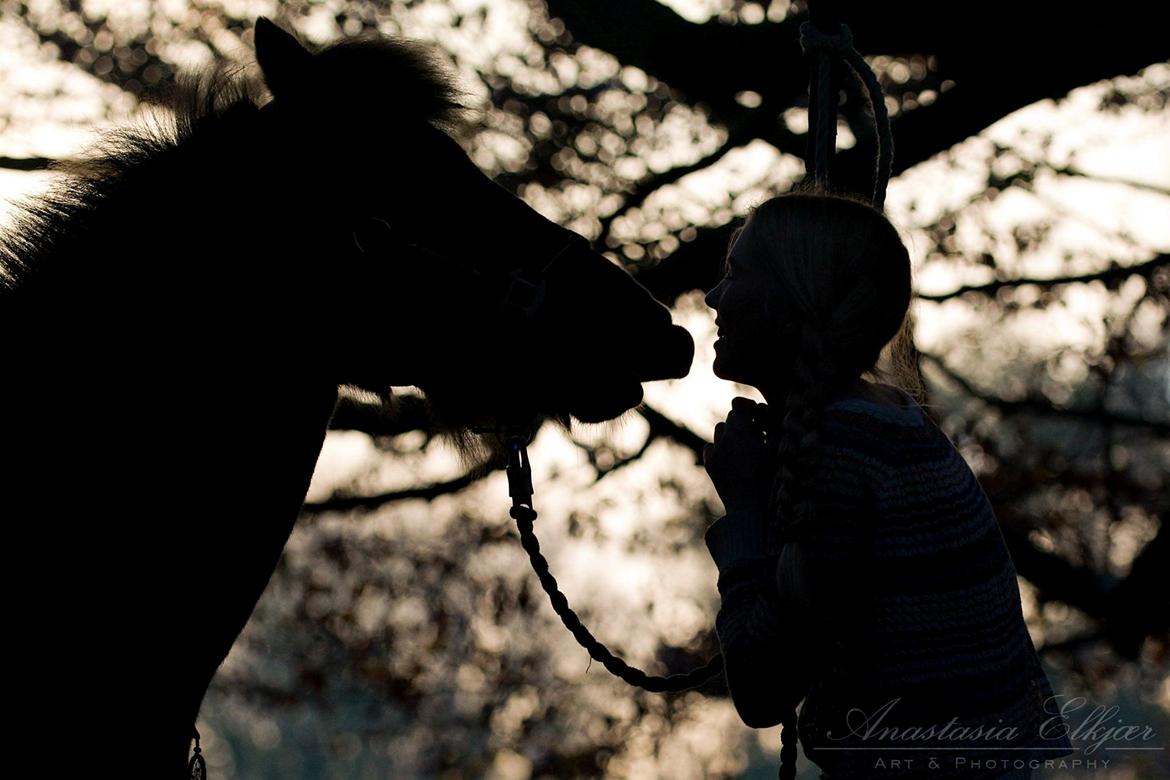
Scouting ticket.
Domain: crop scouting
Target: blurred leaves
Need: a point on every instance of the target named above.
(404, 628)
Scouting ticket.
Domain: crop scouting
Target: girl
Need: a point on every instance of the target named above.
(861, 568)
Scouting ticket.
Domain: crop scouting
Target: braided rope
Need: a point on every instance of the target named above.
(524, 516)
(823, 121)
(822, 106)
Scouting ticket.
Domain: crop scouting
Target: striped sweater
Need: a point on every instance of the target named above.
(915, 661)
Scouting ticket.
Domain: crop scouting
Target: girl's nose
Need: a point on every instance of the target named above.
(712, 296)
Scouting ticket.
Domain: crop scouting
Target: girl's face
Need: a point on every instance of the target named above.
(745, 348)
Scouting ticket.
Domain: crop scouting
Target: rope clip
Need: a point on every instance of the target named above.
(519, 472)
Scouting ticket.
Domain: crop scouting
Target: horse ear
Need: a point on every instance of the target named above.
(283, 61)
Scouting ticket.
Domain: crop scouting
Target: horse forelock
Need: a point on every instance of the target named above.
(408, 75)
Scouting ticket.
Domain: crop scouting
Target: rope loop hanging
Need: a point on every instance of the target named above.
(813, 40)
(825, 47)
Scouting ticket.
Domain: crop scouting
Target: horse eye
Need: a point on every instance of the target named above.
(372, 234)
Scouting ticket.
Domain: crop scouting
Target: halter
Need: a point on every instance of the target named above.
(523, 298)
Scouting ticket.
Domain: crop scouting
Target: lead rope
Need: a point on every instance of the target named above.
(822, 129)
(520, 489)
(197, 769)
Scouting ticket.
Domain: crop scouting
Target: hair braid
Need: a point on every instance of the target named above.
(792, 509)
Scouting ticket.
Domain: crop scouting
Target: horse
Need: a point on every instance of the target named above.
(178, 315)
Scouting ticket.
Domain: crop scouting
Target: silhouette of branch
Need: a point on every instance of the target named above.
(663, 426)
(1112, 273)
(348, 503)
(370, 418)
(1123, 606)
(1140, 185)
(1071, 643)
(258, 691)
(1138, 604)
(756, 123)
(1044, 407)
(1056, 578)
(605, 471)
(711, 62)
(26, 163)
(1127, 609)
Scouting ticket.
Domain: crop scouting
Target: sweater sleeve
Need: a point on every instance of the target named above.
(764, 648)
(774, 644)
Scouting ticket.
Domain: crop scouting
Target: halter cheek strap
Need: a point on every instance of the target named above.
(525, 295)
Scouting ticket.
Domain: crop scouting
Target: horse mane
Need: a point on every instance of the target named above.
(145, 196)
(409, 77)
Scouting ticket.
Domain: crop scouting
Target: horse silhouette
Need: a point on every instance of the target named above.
(178, 314)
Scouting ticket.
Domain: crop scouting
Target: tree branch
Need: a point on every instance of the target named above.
(756, 123)
(347, 503)
(711, 62)
(367, 416)
(26, 163)
(1044, 407)
(1113, 273)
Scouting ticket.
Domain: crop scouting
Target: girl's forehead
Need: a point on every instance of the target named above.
(741, 249)
(745, 237)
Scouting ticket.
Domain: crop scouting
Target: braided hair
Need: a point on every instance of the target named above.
(841, 275)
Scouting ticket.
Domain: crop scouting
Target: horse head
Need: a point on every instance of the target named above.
(440, 278)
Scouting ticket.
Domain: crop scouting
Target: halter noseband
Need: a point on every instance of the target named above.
(523, 298)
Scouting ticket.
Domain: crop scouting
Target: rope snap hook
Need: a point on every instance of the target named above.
(519, 471)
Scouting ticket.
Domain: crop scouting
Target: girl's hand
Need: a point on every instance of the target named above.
(739, 462)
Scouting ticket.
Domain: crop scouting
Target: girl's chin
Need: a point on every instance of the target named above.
(720, 370)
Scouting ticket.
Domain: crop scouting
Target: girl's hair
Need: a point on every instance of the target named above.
(842, 275)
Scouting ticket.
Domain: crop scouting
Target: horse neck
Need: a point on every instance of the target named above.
(168, 281)
(195, 246)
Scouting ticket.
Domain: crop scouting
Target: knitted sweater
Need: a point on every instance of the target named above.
(917, 619)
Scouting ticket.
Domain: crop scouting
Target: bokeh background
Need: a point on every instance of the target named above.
(404, 635)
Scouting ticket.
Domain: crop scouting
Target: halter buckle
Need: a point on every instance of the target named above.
(524, 295)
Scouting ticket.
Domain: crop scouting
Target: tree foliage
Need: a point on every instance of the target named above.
(403, 628)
